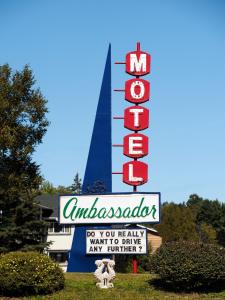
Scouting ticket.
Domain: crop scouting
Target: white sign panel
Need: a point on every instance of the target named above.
(116, 241)
(109, 209)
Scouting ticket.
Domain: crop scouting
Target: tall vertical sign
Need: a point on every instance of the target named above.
(98, 172)
(136, 117)
(98, 205)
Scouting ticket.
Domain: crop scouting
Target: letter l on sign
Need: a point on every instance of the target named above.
(135, 173)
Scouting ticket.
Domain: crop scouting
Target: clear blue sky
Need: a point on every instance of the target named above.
(65, 43)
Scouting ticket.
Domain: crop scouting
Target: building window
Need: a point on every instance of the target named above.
(67, 229)
(51, 227)
(56, 228)
(60, 257)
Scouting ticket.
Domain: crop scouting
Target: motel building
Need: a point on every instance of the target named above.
(61, 236)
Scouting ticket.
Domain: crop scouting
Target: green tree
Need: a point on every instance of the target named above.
(212, 212)
(23, 124)
(48, 188)
(61, 189)
(207, 233)
(210, 219)
(177, 223)
(194, 201)
(76, 187)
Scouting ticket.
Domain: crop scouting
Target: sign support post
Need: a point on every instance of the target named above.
(136, 91)
(135, 265)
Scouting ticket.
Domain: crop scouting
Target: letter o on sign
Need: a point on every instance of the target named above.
(137, 90)
(90, 233)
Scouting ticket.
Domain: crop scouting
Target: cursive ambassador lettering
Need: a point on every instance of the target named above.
(74, 211)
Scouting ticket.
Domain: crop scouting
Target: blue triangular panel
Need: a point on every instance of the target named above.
(98, 173)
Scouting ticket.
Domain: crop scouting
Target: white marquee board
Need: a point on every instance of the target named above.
(116, 241)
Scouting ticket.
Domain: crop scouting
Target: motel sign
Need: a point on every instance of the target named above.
(98, 210)
(136, 117)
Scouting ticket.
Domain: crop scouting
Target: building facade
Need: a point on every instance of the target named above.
(59, 236)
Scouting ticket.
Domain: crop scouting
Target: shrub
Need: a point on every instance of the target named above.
(190, 266)
(143, 263)
(124, 262)
(29, 273)
(144, 260)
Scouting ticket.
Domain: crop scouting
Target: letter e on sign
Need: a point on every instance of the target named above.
(137, 90)
(136, 118)
(135, 145)
(138, 63)
(135, 173)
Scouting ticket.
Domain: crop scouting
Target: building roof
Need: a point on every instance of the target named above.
(48, 201)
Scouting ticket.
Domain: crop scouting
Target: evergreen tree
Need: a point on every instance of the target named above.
(177, 223)
(209, 218)
(194, 201)
(22, 126)
(76, 187)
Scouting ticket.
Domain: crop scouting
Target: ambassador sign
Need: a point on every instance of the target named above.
(112, 208)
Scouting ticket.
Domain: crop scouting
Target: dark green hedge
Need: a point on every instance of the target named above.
(29, 273)
(190, 266)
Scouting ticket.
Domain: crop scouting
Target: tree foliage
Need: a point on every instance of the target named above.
(177, 223)
(76, 187)
(210, 216)
(48, 188)
(23, 125)
(197, 220)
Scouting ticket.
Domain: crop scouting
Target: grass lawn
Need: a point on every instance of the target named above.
(81, 286)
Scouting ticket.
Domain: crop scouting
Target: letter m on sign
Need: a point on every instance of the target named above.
(138, 63)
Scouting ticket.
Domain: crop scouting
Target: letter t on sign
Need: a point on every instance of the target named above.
(136, 118)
